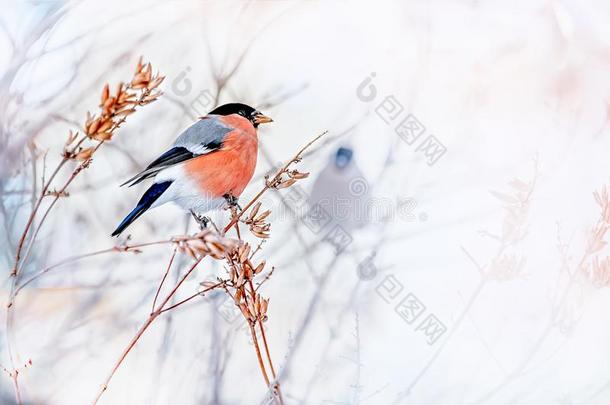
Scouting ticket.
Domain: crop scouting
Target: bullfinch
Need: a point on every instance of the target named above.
(342, 191)
(209, 164)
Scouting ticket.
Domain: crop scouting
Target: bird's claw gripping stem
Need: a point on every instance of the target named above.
(201, 220)
(232, 201)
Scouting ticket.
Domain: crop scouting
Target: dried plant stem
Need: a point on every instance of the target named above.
(121, 248)
(266, 346)
(114, 112)
(56, 196)
(131, 345)
(83, 165)
(169, 266)
(262, 329)
(14, 375)
(259, 357)
(142, 329)
(245, 270)
(30, 220)
(258, 353)
(275, 388)
(197, 294)
(251, 323)
(276, 383)
(274, 180)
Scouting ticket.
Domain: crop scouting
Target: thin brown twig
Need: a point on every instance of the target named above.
(119, 248)
(266, 346)
(260, 324)
(267, 277)
(258, 353)
(142, 329)
(169, 266)
(197, 294)
(32, 215)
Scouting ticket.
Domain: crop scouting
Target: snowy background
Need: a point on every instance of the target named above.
(479, 133)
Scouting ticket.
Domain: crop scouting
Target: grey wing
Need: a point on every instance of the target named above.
(204, 136)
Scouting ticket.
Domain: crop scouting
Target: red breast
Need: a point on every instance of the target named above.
(230, 169)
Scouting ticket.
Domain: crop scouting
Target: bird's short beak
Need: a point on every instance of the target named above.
(261, 119)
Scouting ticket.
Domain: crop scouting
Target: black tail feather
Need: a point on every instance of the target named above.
(149, 197)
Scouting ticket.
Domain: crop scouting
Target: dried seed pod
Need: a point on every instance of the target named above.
(260, 267)
(156, 82)
(298, 175)
(148, 72)
(138, 81)
(286, 183)
(254, 210)
(257, 305)
(106, 124)
(216, 250)
(248, 271)
(208, 284)
(245, 311)
(126, 98)
(71, 138)
(92, 125)
(102, 136)
(244, 252)
(125, 112)
(84, 154)
(238, 295)
(263, 216)
(240, 280)
(105, 93)
(206, 243)
(109, 103)
(261, 235)
(264, 306)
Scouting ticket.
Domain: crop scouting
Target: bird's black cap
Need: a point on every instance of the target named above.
(233, 108)
(254, 116)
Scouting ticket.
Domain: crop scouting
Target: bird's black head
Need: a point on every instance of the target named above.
(254, 116)
(343, 157)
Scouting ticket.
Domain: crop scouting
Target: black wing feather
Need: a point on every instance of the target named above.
(173, 156)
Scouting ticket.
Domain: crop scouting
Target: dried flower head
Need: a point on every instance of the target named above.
(516, 203)
(285, 178)
(598, 273)
(256, 222)
(114, 109)
(205, 243)
(595, 268)
(506, 267)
